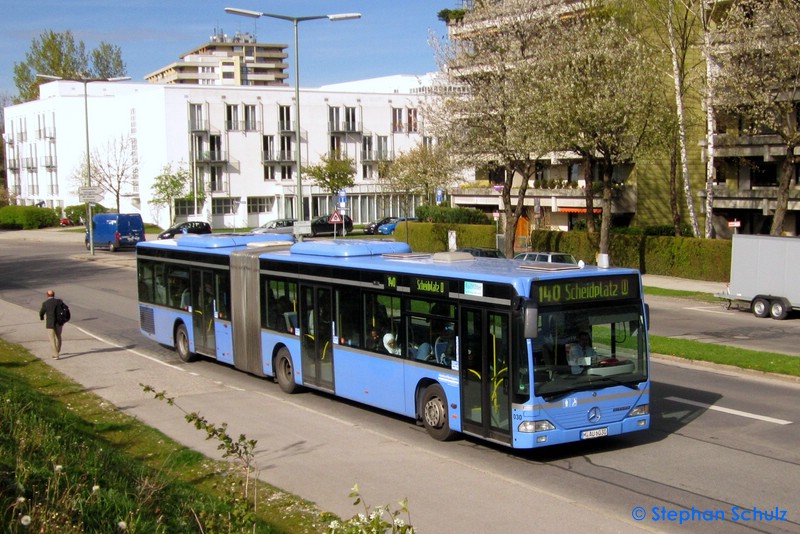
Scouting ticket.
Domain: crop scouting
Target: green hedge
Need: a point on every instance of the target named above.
(27, 217)
(432, 237)
(683, 257)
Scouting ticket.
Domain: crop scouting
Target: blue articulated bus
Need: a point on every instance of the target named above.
(519, 353)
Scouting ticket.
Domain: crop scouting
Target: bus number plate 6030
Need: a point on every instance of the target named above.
(596, 433)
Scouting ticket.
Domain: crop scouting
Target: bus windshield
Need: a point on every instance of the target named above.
(584, 348)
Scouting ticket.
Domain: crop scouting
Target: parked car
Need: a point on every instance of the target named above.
(483, 252)
(321, 226)
(388, 228)
(278, 226)
(188, 227)
(372, 227)
(115, 231)
(547, 257)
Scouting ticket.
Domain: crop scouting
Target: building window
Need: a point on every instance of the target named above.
(413, 127)
(269, 172)
(397, 120)
(216, 179)
(427, 142)
(285, 118)
(223, 206)
(286, 148)
(350, 119)
(250, 123)
(260, 204)
(184, 207)
(196, 117)
(232, 117)
(286, 172)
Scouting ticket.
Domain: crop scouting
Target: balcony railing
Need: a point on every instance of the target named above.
(29, 163)
(49, 161)
(211, 156)
(368, 156)
(344, 127)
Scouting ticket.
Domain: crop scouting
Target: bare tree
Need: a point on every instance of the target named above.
(757, 55)
(116, 169)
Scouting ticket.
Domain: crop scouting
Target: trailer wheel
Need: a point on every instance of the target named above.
(779, 309)
(760, 307)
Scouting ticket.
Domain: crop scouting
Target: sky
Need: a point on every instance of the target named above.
(392, 36)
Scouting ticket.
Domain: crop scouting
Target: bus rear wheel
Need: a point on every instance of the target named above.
(435, 415)
(182, 344)
(284, 371)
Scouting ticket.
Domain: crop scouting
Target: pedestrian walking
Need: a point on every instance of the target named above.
(49, 312)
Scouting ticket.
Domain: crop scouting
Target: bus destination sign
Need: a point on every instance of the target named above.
(429, 286)
(585, 290)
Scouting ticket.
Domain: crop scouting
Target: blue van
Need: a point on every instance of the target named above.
(116, 230)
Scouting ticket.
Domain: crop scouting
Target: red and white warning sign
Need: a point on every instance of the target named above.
(335, 218)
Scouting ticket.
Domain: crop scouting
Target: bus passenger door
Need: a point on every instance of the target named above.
(485, 399)
(317, 336)
(203, 307)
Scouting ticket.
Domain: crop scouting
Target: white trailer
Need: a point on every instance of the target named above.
(765, 274)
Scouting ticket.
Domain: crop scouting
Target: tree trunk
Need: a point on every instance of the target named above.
(678, 81)
(588, 181)
(782, 200)
(605, 224)
(710, 127)
(673, 190)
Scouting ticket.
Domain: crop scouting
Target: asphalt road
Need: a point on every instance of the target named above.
(722, 447)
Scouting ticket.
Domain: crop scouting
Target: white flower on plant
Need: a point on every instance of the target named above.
(20, 500)
(25, 520)
(122, 525)
(95, 488)
(59, 468)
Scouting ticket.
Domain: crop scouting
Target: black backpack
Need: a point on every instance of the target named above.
(62, 312)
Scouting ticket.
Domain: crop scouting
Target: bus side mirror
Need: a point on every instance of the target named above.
(531, 321)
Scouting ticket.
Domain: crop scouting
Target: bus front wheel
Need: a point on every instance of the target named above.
(434, 413)
(182, 344)
(284, 371)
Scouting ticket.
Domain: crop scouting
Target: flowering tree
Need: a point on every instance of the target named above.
(757, 55)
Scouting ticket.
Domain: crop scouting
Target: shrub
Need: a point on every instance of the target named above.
(27, 217)
(447, 215)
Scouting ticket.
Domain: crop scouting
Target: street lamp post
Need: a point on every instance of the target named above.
(295, 21)
(85, 82)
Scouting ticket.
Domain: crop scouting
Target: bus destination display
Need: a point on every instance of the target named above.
(585, 290)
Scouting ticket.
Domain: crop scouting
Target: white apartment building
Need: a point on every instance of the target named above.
(238, 143)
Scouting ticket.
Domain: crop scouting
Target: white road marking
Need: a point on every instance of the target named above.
(714, 309)
(107, 342)
(730, 411)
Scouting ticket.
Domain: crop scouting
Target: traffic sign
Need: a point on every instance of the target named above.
(335, 218)
(734, 224)
(91, 190)
(342, 198)
(91, 194)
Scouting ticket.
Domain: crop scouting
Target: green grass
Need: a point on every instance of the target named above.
(70, 462)
(677, 293)
(767, 362)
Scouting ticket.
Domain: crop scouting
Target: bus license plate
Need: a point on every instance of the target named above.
(596, 433)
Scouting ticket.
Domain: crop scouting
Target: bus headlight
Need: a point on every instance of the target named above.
(535, 426)
(643, 409)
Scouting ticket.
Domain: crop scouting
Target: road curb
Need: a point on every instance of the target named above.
(722, 368)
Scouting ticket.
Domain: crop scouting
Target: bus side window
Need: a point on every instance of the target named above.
(348, 313)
